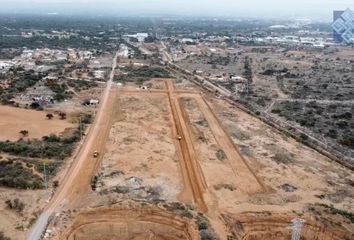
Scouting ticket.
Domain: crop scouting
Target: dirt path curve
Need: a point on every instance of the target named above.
(192, 174)
(83, 164)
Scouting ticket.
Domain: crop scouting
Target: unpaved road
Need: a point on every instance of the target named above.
(81, 160)
(192, 173)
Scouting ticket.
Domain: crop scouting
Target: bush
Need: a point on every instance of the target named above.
(35, 105)
(276, 111)
(343, 213)
(282, 157)
(202, 222)
(15, 204)
(347, 140)
(87, 118)
(207, 234)
(38, 149)
(51, 138)
(14, 175)
(303, 137)
(79, 85)
(3, 237)
(139, 74)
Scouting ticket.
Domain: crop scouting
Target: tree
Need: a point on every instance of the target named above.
(49, 116)
(24, 133)
(55, 184)
(62, 115)
(35, 105)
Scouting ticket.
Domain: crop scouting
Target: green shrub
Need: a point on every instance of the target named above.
(343, 213)
(276, 111)
(139, 74)
(37, 149)
(14, 175)
(15, 204)
(3, 237)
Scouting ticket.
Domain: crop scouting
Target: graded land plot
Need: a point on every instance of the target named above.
(132, 220)
(13, 120)
(227, 176)
(296, 176)
(141, 160)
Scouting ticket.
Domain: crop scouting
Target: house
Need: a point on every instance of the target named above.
(94, 102)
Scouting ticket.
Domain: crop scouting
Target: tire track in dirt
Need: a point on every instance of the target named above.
(163, 221)
(193, 175)
(248, 181)
(77, 179)
(278, 227)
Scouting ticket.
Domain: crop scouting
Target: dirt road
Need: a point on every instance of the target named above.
(192, 173)
(77, 177)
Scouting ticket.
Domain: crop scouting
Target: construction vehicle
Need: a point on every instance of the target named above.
(95, 154)
(179, 137)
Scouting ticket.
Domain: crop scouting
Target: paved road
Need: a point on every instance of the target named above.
(78, 163)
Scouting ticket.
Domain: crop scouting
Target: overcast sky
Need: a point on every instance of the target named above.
(236, 8)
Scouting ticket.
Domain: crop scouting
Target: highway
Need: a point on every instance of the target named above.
(79, 164)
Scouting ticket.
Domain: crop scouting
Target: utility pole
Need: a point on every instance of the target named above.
(80, 127)
(44, 174)
(296, 226)
(45, 180)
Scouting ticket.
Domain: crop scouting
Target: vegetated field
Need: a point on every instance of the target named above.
(141, 74)
(22, 162)
(333, 121)
(13, 120)
(321, 81)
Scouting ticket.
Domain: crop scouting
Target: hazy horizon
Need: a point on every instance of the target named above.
(317, 10)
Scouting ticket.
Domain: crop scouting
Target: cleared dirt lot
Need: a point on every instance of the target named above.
(278, 159)
(13, 120)
(14, 223)
(139, 147)
(170, 145)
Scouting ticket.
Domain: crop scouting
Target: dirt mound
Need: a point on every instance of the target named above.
(130, 224)
(278, 227)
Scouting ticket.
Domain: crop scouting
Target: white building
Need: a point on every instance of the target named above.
(99, 74)
(123, 51)
(139, 36)
(5, 65)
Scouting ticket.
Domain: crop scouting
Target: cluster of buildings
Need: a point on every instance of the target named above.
(51, 35)
(5, 66)
(138, 36)
(289, 41)
(125, 52)
(36, 58)
(51, 55)
(43, 55)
